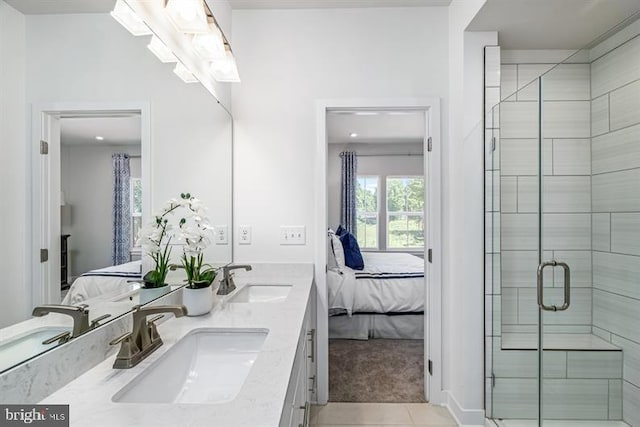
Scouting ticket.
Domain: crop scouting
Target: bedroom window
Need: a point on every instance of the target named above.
(367, 204)
(135, 195)
(405, 212)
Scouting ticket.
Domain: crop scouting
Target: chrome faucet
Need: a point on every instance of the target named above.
(226, 285)
(144, 338)
(78, 313)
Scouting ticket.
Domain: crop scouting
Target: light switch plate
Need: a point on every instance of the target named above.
(221, 233)
(293, 235)
(244, 235)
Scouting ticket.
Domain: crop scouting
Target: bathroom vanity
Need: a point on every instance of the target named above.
(250, 362)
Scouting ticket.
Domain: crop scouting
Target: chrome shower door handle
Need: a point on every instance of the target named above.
(567, 285)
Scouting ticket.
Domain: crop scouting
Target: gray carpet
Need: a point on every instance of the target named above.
(376, 370)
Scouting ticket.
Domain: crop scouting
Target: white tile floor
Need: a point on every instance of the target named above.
(338, 414)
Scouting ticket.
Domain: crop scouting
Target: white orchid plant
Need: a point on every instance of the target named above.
(193, 231)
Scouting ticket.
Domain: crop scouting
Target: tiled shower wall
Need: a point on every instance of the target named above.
(566, 172)
(615, 187)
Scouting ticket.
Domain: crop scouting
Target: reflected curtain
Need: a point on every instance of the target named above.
(348, 193)
(120, 242)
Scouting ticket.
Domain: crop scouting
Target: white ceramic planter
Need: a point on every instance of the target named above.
(197, 301)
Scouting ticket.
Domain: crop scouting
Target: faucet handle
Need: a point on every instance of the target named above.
(155, 318)
(96, 322)
(153, 328)
(121, 338)
(61, 338)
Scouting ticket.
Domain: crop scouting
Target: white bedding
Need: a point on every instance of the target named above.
(372, 326)
(104, 282)
(389, 283)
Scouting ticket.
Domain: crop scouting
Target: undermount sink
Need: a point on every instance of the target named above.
(262, 293)
(205, 366)
(29, 344)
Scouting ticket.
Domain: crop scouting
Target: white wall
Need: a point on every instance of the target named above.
(13, 186)
(462, 213)
(468, 390)
(288, 59)
(89, 202)
(379, 165)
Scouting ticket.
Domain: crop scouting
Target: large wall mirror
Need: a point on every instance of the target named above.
(120, 128)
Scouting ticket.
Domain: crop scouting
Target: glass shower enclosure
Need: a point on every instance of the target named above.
(562, 251)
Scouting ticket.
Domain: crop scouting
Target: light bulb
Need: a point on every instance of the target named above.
(188, 16)
(225, 70)
(161, 51)
(184, 73)
(129, 19)
(210, 46)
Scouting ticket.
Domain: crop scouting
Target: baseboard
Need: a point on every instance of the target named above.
(464, 417)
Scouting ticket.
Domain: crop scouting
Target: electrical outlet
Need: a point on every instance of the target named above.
(221, 233)
(244, 235)
(292, 235)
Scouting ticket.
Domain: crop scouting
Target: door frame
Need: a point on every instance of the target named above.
(43, 277)
(433, 212)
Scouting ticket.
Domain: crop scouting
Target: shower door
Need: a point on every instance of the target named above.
(553, 358)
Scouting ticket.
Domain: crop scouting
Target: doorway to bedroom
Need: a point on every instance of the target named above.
(376, 288)
(91, 182)
(101, 196)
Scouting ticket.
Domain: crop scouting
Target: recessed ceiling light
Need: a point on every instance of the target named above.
(353, 134)
(100, 138)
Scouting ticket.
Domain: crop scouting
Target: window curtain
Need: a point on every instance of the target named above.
(121, 244)
(348, 193)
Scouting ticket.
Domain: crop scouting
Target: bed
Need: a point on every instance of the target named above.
(104, 283)
(385, 300)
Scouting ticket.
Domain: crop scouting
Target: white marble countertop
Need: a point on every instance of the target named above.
(261, 399)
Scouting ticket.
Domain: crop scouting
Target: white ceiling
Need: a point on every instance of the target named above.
(34, 7)
(375, 127)
(115, 130)
(328, 4)
(551, 24)
(41, 7)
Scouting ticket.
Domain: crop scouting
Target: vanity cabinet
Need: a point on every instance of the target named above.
(302, 384)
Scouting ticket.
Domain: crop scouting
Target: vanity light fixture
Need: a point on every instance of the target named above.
(188, 16)
(210, 46)
(129, 20)
(225, 70)
(184, 73)
(161, 51)
(353, 135)
(100, 138)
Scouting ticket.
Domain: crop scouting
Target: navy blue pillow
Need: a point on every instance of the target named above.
(352, 256)
(340, 230)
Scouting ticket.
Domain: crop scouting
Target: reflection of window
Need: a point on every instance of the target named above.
(135, 195)
(405, 212)
(367, 211)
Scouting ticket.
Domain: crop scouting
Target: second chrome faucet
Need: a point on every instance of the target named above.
(144, 338)
(226, 285)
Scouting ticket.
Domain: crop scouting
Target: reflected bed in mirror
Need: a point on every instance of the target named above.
(145, 109)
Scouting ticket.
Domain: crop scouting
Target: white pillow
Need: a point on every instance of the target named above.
(336, 251)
